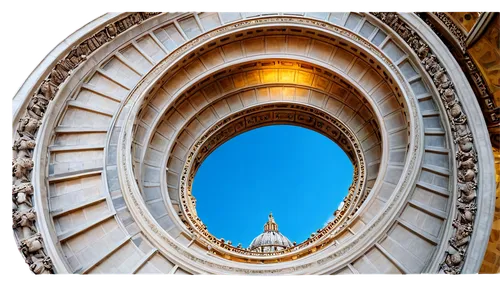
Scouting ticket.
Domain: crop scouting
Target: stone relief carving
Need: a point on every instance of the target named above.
(454, 29)
(28, 126)
(40, 264)
(32, 245)
(48, 90)
(484, 94)
(21, 194)
(24, 216)
(21, 168)
(24, 146)
(111, 30)
(465, 156)
(24, 219)
(37, 106)
(32, 248)
(22, 164)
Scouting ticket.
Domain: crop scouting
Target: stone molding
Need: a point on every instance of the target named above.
(142, 104)
(259, 116)
(466, 150)
(22, 168)
(145, 86)
(483, 93)
(24, 216)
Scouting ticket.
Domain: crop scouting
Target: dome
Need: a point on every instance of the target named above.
(271, 239)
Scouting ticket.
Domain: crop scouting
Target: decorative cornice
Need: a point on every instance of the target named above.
(483, 94)
(479, 27)
(462, 138)
(455, 30)
(24, 216)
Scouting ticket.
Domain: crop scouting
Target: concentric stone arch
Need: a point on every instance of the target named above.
(125, 154)
(112, 218)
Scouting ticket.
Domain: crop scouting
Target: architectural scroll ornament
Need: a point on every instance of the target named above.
(485, 95)
(462, 137)
(23, 213)
(454, 29)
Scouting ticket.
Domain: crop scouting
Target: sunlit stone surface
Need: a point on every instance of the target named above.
(110, 129)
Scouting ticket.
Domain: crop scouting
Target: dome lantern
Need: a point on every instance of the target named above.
(271, 239)
(270, 225)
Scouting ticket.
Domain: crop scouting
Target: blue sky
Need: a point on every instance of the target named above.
(298, 174)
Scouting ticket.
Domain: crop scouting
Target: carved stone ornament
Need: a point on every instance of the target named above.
(111, 30)
(48, 90)
(40, 265)
(23, 215)
(21, 194)
(454, 29)
(37, 106)
(38, 261)
(28, 126)
(483, 93)
(24, 147)
(462, 137)
(21, 168)
(24, 219)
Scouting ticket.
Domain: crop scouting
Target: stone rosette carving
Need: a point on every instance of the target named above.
(23, 213)
(462, 137)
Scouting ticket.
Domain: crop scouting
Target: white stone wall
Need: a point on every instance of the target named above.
(93, 221)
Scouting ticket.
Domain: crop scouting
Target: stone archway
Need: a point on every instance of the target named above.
(147, 92)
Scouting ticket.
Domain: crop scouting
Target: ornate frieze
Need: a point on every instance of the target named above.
(454, 29)
(260, 116)
(462, 137)
(23, 213)
(475, 76)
